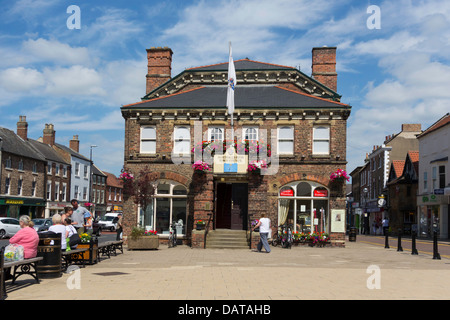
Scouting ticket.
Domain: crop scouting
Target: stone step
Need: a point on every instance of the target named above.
(227, 239)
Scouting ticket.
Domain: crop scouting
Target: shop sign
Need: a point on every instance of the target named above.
(430, 198)
(320, 193)
(288, 192)
(438, 191)
(11, 201)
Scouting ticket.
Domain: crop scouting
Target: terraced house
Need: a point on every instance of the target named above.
(288, 136)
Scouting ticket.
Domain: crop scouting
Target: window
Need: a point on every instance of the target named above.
(77, 169)
(250, 133)
(304, 206)
(182, 140)
(75, 192)
(85, 171)
(286, 140)
(109, 197)
(33, 188)
(64, 171)
(321, 140)
(434, 178)
(49, 168)
(7, 184)
(425, 181)
(19, 186)
(34, 167)
(148, 140)
(215, 134)
(441, 177)
(99, 200)
(49, 190)
(85, 193)
(8, 163)
(57, 169)
(20, 165)
(169, 205)
(56, 191)
(63, 192)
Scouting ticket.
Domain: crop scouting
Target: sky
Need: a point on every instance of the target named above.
(393, 59)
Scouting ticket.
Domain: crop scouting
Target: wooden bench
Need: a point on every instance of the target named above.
(74, 256)
(21, 267)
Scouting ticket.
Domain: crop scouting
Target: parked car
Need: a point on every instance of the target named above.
(8, 227)
(108, 221)
(41, 224)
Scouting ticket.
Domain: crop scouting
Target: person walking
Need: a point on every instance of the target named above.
(264, 228)
(119, 227)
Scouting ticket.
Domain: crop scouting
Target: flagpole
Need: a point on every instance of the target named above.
(232, 113)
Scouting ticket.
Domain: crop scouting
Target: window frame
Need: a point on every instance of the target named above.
(328, 140)
(141, 140)
(291, 127)
(183, 139)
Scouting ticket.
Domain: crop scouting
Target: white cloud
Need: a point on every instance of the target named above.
(21, 79)
(76, 80)
(55, 52)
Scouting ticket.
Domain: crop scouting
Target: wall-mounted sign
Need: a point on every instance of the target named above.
(320, 193)
(287, 192)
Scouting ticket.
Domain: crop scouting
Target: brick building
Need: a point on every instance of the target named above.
(98, 193)
(114, 196)
(22, 176)
(300, 116)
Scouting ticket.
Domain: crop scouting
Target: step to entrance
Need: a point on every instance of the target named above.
(227, 239)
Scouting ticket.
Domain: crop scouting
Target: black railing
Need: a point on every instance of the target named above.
(207, 229)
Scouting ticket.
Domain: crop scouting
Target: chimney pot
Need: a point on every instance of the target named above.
(49, 135)
(22, 127)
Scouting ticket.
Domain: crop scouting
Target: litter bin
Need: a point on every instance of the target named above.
(49, 249)
(352, 234)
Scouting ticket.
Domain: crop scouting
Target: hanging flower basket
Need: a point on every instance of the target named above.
(256, 166)
(339, 176)
(200, 166)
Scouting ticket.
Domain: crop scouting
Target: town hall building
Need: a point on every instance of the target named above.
(288, 136)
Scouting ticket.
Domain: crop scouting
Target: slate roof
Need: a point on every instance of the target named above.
(47, 151)
(71, 152)
(445, 120)
(245, 96)
(14, 144)
(242, 64)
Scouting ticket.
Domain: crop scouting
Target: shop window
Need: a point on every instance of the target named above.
(441, 177)
(169, 205)
(307, 210)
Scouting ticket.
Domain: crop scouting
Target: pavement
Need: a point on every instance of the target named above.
(359, 271)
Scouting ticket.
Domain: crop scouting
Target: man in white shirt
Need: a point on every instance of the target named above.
(264, 228)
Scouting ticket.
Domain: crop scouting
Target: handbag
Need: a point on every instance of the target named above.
(74, 240)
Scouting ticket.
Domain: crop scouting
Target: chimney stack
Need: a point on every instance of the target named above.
(74, 144)
(324, 66)
(22, 128)
(411, 127)
(159, 67)
(49, 135)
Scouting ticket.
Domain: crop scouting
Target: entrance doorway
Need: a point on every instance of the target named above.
(231, 206)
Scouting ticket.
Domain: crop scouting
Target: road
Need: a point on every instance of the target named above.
(106, 236)
(423, 246)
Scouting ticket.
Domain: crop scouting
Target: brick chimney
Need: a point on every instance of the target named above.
(411, 127)
(22, 127)
(159, 67)
(49, 135)
(324, 66)
(74, 144)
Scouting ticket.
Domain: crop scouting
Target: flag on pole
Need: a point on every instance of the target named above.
(231, 84)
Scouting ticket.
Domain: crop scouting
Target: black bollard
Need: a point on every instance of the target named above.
(386, 241)
(399, 245)
(436, 254)
(413, 238)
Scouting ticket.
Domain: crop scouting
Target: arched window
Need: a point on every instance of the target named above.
(305, 210)
(169, 205)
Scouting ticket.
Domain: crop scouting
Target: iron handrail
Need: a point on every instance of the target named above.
(207, 229)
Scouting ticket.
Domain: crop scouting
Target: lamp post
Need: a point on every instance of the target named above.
(91, 172)
(366, 192)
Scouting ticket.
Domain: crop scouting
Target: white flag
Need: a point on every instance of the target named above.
(231, 84)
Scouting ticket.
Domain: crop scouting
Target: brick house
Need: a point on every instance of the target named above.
(98, 193)
(114, 195)
(300, 116)
(22, 176)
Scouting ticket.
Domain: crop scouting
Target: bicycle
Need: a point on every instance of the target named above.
(283, 237)
(173, 235)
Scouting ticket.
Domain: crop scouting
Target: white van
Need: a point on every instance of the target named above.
(108, 221)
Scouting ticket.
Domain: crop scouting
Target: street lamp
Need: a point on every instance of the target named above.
(365, 225)
(91, 172)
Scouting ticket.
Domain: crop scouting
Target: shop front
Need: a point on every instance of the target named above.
(433, 215)
(15, 207)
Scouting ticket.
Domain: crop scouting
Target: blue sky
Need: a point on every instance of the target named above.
(77, 79)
